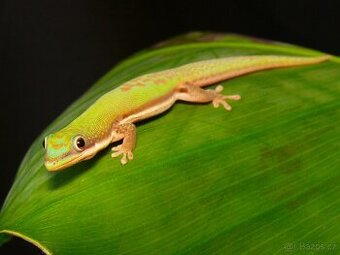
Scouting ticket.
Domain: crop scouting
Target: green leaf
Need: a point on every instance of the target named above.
(262, 179)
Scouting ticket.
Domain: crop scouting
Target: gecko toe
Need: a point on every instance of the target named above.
(117, 148)
(116, 154)
(226, 105)
(130, 155)
(232, 97)
(123, 160)
(219, 89)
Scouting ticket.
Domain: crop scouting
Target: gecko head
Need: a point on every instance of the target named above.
(64, 149)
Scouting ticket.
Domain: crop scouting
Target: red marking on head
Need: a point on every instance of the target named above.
(57, 146)
(140, 84)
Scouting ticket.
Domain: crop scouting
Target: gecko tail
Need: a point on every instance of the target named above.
(291, 61)
(320, 59)
(287, 61)
(208, 72)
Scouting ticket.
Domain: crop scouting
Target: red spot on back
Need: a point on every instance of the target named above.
(140, 84)
(125, 88)
(160, 81)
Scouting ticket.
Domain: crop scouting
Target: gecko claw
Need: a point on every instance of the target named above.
(119, 150)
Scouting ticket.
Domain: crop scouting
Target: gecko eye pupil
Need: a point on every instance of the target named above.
(80, 143)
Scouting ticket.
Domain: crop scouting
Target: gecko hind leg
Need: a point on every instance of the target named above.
(128, 133)
(196, 94)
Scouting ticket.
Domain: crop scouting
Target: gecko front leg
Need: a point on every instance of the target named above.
(191, 93)
(128, 133)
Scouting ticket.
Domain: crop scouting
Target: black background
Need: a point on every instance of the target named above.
(52, 51)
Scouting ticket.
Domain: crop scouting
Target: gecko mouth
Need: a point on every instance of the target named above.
(54, 165)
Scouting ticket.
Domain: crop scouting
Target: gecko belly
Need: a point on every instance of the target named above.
(150, 109)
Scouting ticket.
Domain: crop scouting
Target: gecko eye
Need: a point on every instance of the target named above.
(79, 143)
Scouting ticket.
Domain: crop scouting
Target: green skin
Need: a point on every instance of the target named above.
(112, 116)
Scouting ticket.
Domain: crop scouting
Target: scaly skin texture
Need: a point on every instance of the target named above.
(112, 116)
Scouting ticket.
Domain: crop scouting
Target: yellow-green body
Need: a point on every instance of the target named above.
(112, 116)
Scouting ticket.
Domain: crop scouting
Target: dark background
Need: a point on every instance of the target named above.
(52, 51)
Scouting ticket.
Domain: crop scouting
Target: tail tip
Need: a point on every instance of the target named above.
(324, 57)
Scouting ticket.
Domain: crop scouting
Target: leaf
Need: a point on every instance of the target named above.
(262, 179)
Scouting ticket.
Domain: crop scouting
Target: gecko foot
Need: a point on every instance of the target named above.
(120, 150)
(221, 99)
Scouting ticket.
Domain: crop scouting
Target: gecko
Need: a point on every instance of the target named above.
(112, 117)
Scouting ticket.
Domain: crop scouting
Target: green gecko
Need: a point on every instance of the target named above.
(111, 118)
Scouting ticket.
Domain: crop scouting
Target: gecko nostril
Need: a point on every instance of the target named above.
(44, 143)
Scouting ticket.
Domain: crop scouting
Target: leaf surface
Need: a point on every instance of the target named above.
(261, 179)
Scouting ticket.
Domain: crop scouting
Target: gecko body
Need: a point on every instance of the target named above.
(111, 118)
